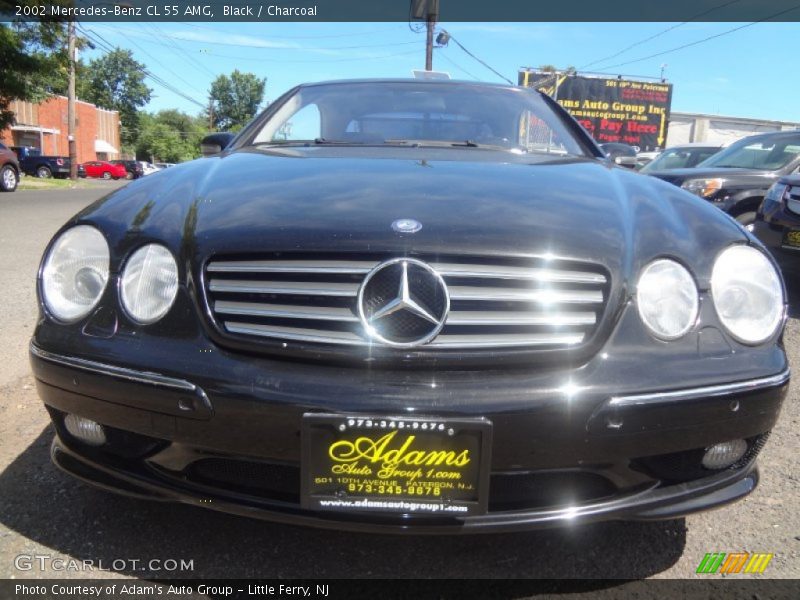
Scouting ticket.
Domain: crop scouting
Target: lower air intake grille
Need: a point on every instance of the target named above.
(495, 302)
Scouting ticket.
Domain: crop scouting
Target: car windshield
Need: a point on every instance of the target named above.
(679, 158)
(770, 154)
(418, 114)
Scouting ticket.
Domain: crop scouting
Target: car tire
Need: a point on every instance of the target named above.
(8, 179)
(44, 172)
(128, 175)
(106, 175)
(747, 220)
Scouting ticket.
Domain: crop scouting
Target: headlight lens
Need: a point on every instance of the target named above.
(149, 283)
(75, 273)
(748, 294)
(667, 299)
(703, 187)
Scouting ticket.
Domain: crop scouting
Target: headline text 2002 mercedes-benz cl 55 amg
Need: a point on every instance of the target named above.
(424, 306)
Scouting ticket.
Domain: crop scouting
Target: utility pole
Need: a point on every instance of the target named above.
(428, 10)
(429, 42)
(73, 154)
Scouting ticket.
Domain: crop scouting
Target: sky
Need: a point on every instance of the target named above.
(745, 73)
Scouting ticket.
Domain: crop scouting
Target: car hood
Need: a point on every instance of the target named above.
(753, 177)
(470, 201)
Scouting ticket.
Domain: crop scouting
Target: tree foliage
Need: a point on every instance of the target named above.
(235, 100)
(116, 81)
(34, 59)
(169, 136)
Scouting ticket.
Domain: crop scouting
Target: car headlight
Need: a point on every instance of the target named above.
(703, 187)
(747, 293)
(75, 273)
(149, 283)
(667, 299)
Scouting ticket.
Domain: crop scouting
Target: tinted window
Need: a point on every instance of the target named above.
(419, 112)
(768, 153)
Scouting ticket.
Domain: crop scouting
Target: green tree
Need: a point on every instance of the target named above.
(116, 81)
(34, 64)
(235, 100)
(169, 136)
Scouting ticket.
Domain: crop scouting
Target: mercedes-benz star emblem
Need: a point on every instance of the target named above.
(406, 226)
(403, 303)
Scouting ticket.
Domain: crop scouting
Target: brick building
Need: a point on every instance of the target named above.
(45, 126)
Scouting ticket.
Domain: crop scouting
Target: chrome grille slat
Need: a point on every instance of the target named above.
(285, 311)
(442, 341)
(302, 288)
(353, 267)
(482, 317)
(502, 272)
(506, 340)
(495, 302)
(299, 334)
(522, 295)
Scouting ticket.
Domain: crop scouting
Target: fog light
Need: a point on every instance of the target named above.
(85, 430)
(720, 456)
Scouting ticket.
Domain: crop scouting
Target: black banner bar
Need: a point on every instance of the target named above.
(437, 589)
(400, 10)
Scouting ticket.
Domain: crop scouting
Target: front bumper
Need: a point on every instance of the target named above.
(561, 455)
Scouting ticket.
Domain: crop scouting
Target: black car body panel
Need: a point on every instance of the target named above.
(778, 225)
(612, 428)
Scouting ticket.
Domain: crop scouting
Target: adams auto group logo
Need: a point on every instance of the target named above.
(733, 562)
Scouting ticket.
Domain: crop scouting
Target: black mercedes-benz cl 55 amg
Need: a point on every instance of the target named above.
(411, 306)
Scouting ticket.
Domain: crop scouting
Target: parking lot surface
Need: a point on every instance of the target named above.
(43, 512)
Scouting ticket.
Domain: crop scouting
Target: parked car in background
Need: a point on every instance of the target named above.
(33, 162)
(737, 178)
(9, 170)
(148, 168)
(778, 223)
(106, 170)
(681, 157)
(622, 154)
(163, 165)
(133, 169)
(404, 317)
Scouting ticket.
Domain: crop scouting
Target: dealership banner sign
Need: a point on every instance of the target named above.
(611, 109)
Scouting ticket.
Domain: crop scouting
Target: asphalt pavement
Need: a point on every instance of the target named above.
(46, 513)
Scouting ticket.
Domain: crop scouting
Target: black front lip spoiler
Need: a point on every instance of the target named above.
(651, 504)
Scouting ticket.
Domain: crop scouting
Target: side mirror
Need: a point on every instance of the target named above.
(215, 143)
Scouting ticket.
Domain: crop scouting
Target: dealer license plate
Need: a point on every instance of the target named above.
(419, 465)
(791, 239)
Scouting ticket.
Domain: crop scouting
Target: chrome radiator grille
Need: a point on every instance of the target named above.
(494, 302)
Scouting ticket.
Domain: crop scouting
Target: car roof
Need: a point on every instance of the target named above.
(435, 82)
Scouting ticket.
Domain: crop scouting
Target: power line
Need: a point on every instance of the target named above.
(702, 41)
(266, 46)
(659, 34)
(300, 37)
(195, 62)
(103, 43)
(457, 66)
(501, 76)
(314, 61)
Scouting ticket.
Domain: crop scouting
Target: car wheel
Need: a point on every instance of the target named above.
(44, 172)
(8, 179)
(747, 220)
(128, 175)
(106, 175)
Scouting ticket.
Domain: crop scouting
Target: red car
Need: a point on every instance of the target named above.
(101, 168)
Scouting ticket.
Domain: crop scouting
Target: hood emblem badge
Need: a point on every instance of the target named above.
(403, 303)
(406, 226)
